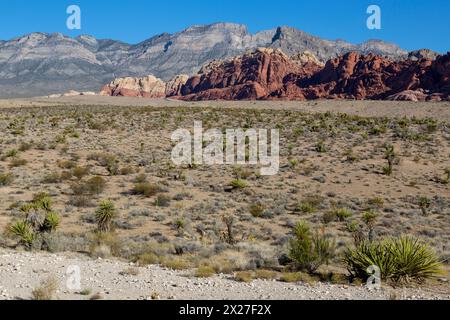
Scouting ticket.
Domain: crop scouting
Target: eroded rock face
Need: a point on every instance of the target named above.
(147, 87)
(270, 74)
(252, 76)
(173, 86)
(306, 58)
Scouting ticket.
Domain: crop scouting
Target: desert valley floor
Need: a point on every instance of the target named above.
(170, 223)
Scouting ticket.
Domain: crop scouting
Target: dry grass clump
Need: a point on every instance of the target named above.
(205, 271)
(46, 290)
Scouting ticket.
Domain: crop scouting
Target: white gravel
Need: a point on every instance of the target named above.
(20, 272)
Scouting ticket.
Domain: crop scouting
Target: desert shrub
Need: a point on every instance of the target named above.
(320, 146)
(126, 170)
(243, 276)
(104, 244)
(239, 184)
(400, 259)
(162, 201)
(309, 251)
(6, 179)
(342, 213)
(205, 271)
(257, 209)
(265, 274)
(93, 186)
(66, 164)
(376, 202)
(147, 189)
(17, 162)
(80, 172)
(328, 217)
(46, 290)
(175, 263)
(424, 204)
(293, 277)
(242, 173)
(53, 177)
(11, 153)
(147, 258)
(104, 215)
(305, 207)
(140, 178)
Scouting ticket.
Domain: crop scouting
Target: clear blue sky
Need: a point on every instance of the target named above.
(412, 24)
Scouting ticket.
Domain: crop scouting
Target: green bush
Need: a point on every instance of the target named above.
(342, 213)
(399, 259)
(309, 251)
(239, 184)
(6, 179)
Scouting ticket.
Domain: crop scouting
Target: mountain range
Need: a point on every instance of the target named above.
(39, 63)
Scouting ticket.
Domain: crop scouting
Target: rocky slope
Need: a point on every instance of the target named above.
(41, 64)
(270, 74)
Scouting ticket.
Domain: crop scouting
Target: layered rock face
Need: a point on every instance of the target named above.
(254, 75)
(146, 87)
(270, 74)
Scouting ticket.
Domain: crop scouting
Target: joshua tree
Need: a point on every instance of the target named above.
(370, 219)
(424, 204)
(389, 155)
(229, 223)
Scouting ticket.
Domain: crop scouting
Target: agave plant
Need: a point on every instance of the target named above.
(104, 215)
(22, 230)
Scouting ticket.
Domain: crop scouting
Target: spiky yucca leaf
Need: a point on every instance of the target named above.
(399, 259)
(51, 222)
(369, 254)
(104, 215)
(414, 260)
(22, 230)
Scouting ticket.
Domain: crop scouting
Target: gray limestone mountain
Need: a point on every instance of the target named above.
(39, 64)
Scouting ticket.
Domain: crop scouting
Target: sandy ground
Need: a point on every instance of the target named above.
(140, 138)
(434, 110)
(21, 272)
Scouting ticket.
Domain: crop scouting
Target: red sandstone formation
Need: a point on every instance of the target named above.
(270, 74)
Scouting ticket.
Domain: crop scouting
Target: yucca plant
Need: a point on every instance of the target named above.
(424, 204)
(399, 259)
(51, 222)
(104, 215)
(22, 230)
(309, 251)
(368, 254)
(414, 260)
(389, 155)
(44, 203)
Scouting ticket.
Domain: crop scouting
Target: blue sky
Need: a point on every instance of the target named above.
(412, 24)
